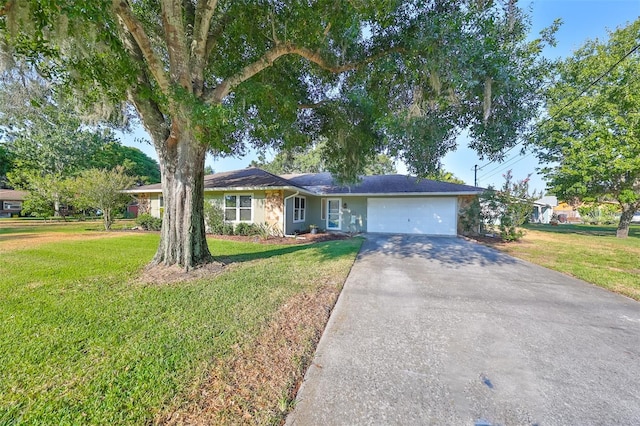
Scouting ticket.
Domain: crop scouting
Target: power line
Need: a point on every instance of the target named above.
(502, 166)
(574, 99)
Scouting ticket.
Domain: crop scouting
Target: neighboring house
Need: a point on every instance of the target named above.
(291, 203)
(543, 209)
(11, 202)
(571, 213)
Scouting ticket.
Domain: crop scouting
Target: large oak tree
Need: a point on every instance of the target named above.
(403, 77)
(591, 137)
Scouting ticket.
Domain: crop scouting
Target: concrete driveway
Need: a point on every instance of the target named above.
(447, 332)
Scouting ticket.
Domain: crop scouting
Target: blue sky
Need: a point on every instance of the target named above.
(582, 20)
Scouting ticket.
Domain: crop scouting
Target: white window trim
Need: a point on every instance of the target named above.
(339, 200)
(12, 205)
(300, 209)
(238, 194)
(323, 209)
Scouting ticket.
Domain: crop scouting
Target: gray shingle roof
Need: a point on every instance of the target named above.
(323, 183)
(11, 195)
(251, 177)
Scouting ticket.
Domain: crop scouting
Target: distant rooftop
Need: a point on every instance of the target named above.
(11, 195)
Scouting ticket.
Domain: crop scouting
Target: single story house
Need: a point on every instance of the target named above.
(292, 203)
(543, 209)
(11, 202)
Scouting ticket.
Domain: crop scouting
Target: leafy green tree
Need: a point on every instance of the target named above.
(593, 142)
(46, 195)
(43, 133)
(210, 75)
(445, 176)
(6, 162)
(135, 162)
(502, 210)
(312, 160)
(102, 189)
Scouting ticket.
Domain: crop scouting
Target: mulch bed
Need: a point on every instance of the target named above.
(300, 239)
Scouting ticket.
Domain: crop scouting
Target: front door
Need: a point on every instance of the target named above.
(334, 214)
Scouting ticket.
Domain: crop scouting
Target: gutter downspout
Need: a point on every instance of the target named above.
(284, 219)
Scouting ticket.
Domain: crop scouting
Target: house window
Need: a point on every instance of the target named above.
(299, 209)
(238, 208)
(161, 201)
(323, 209)
(12, 205)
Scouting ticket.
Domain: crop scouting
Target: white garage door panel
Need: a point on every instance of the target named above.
(433, 216)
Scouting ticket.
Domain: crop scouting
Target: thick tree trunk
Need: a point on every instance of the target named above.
(183, 240)
(625, 219)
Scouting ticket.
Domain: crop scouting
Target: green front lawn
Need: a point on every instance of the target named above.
(591, 253)
(83, 343)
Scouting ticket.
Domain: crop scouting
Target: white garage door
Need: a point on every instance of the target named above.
(432, 216)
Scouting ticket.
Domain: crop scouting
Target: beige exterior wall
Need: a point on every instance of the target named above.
(154, 205)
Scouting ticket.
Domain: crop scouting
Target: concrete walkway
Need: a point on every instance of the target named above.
(442, 331)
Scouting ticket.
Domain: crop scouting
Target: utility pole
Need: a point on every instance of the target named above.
(475, 175)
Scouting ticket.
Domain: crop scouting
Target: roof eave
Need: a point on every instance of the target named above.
(230, 189)
(387, 194)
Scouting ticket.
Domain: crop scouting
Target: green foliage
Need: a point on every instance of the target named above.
(503, 211)
(102, 190)
(471, 218)
(599, 214)
(228, 229)
(445, 176)
(312, 159)
(246, 229)
(46, 195)
(135, 162)
(266, 230)
(592, 142)
(213, 217)
(44, 135)
(148, 222)
(371, 79)
(6, 162)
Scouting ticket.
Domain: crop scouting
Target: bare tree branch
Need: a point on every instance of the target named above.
(134, 27)
(219, 93)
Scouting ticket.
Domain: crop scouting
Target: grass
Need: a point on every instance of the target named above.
(82, 343)
(591, 253)
(71, 226)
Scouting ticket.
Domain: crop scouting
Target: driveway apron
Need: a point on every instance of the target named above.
(444, 331)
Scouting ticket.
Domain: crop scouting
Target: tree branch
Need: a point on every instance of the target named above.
(134, 27)
(199, 52)
(219, 93)
(175, 37)
(4, 9)
(314, 105)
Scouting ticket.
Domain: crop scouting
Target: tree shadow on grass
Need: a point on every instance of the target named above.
(324, 251)
(449, 251)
